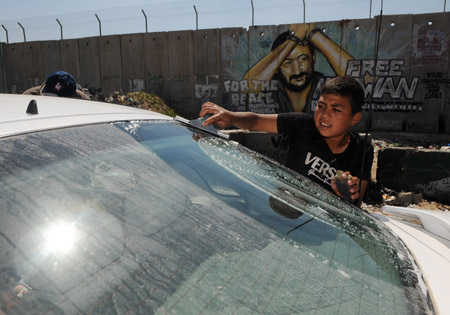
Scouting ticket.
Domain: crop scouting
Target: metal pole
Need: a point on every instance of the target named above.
(146, 25)
(23, 30)
(370, 11)
(60, 26)
(445, 4)
(7, 38)
(196, 17)
(304, 12)
(99, 24)
(253, 14)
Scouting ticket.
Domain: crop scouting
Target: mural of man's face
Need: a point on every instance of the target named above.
(296, 70)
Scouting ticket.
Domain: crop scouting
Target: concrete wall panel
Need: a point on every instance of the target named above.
(392, 72)
(70, 59)
(51, 55)
(90, 74)
(233, 64)
(3, 88)
(133, 66)
(15, 68)
(110, 63)
(156, 60)
(181, 69)
(358, 39)
(261, 95)
(332, 30)
(429, 61)
(446, 106)
(260, 39)
(33, 64)
(207, 67)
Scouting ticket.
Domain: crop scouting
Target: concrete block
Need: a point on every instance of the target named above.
(415, 125)
(418, 171)
(181, 70)
(110, 65)
(33, 64)
(70, 58)
(132, 48)
(447, 126)
(51, 56)
(417, 198)
(14, 68)
(234, 62)
(360, 31)
(403, 199)
(2, 69)
(387, 124)
(360, 126)
(89, 63)
(207, 66)
(156, 59)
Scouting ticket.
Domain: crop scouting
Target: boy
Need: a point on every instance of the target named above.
(320, 145)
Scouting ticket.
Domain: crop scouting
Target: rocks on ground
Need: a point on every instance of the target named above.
(140, 99)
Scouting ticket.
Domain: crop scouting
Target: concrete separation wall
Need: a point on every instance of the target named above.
(3, 88)
(407, 86)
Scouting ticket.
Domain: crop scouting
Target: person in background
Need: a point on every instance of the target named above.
(59, 83)
(320, 145)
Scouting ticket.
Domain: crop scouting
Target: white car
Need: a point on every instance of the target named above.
(108, 209)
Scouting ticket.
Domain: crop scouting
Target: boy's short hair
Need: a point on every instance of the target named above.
(347, 87)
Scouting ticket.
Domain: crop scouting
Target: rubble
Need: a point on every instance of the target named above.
(140, 99)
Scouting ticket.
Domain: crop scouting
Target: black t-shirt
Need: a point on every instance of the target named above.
(310, 155)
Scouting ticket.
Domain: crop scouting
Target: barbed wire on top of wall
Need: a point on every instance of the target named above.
(179, 15)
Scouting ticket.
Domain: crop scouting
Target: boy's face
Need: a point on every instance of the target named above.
(333, 115)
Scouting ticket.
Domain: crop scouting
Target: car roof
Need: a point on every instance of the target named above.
(59, 112)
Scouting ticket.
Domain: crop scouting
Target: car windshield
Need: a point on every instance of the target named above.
(153, 217)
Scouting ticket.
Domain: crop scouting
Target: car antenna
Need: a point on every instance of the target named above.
(32, 108)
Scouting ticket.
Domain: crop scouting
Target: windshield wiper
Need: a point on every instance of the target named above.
(197, 125)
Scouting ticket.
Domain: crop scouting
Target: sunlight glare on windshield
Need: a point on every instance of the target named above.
(60, 237)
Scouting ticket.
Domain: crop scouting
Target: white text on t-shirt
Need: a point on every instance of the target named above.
(320, 169)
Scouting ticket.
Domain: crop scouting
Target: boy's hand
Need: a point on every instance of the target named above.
(220, 116)
(346, 186)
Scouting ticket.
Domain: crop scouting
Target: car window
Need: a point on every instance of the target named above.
(148, 217)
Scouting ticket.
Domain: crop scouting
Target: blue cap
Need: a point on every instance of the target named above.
(60, 83)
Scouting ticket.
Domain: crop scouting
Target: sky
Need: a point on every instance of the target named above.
(39, 19)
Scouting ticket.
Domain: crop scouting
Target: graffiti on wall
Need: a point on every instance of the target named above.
(284, 80)
(287, 78)
(433, 83)
(384, 79)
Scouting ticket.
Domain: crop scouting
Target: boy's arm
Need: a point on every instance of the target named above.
(244, 120)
